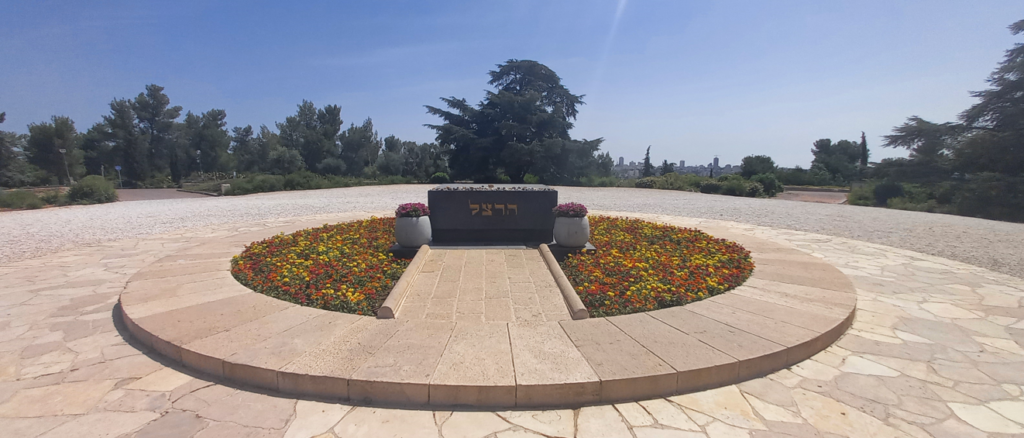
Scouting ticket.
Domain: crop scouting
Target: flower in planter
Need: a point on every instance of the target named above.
(570, 209)
(412, 209)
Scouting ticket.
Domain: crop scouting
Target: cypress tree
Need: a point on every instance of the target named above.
(863, 150)
(648, 167)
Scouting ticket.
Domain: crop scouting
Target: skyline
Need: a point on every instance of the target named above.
(691, 80)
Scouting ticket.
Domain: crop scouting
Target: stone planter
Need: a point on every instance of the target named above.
(412, 231)
(572, 232)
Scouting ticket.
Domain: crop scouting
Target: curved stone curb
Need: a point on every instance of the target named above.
(189, 308)
(394, 300)
(572, 301)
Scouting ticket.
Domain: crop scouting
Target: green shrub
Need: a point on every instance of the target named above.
(863, 196)
(886, 190)
(605, 181)
(20, 199)
(156, 182)
(335, 181)
(530, 178)
(930, 206)
(675, 181)
(645, 183)
(710, 186)
(769, 183)
(440, 178)
(730, 177)
(734, 187)
(53, 197)
(257, 184)
(92, 189)
(991, 196)
(303, 180)
(755, 190)
(391, 179)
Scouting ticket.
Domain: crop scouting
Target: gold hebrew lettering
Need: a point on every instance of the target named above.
(500, 207)
(514, 207)
(473, 208)
(487, 210)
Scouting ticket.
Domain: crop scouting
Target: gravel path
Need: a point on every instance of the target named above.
(989, 244)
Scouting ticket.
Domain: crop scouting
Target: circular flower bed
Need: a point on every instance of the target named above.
(343, 267)
(641, 266)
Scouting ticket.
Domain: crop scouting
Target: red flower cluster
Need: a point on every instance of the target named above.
(344, 267)
(570, 209)
(641, 266)
(412, 209)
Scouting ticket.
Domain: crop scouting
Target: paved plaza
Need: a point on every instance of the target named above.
(934, 349)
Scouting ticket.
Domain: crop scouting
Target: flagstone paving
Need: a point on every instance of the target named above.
(504, 285)
(935, 350)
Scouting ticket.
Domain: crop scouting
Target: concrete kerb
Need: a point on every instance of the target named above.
(572, 301)
(389, 309)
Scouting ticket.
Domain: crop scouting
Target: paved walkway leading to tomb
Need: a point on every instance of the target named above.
(935, 350)
(477, 285)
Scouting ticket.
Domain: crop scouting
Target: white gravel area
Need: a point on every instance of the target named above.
(998, 246)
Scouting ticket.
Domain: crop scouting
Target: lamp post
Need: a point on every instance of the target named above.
(63, 154)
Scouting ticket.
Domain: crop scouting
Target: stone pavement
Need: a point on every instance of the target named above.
(935, 350)
(509, 285)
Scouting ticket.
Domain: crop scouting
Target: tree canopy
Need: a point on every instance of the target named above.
(521, 128)
(757, 165)
(839, 159)
(989, 136)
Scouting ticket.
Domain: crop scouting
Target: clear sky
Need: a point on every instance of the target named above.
(692, 79)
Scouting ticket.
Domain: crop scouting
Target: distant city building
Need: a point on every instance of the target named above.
(635, 169)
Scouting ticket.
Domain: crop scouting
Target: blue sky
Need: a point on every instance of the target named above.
(692, 79)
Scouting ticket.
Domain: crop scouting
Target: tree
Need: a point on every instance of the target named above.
(280, 160)
(7, 155)
(521, 128)
(14, 169)
(931, 147)
(247, 154)
(45, 143)
(208, 141)
(360, 146)
(392, 159)
(312, 132)
(990, 135)
(757, 165)
(838, 159)
(667, 168)
(648, 169)
(863, 151)
(156, 119)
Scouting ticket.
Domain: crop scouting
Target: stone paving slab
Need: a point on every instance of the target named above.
(481, 328)
(483, 285)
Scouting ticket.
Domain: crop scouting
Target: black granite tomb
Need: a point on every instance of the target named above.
(492, 213)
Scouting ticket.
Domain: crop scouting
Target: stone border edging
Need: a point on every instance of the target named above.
(393, 302)
(188, 307)
(199, 193)
(572, 301)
